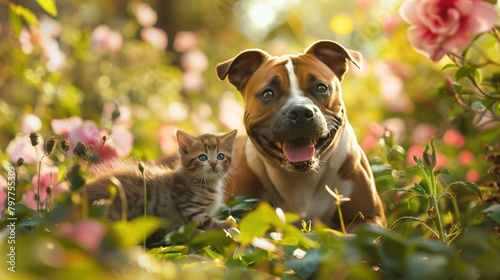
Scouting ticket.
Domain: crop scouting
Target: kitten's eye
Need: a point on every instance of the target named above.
(321, 88)
(203, 157)
(220, 157)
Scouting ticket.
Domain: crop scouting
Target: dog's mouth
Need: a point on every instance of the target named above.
(298, 154)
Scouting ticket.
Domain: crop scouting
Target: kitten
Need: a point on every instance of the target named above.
(190, 192)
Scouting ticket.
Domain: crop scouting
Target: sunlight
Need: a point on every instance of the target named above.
(258, 17)
(262, 15)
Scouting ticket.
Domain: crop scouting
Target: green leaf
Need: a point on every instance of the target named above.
(26, 218)
(183, 234)
(306, 267)
(493, 212)
(16, 23)
(417, 188)
(132, 232)
(468, 185)
(257, 222)
(416, 159)
(26, 14)
(478, 75)
(63, 167)
(465, 71)
(495, 109)
(449, 65)
(479, 117)
(215, 238)
(48, 6)
(293, 236)
(213, 254)
(170, 252)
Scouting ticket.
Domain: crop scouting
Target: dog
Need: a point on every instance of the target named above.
(298, 138)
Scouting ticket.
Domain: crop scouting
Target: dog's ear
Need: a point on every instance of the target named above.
(335, 56)
(241, 67)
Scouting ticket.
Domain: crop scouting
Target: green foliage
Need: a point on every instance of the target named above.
(48, 6)
(132, 232)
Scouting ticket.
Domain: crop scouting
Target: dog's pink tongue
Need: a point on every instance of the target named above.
(299, 150)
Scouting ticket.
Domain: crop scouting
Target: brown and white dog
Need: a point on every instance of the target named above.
(298, 136)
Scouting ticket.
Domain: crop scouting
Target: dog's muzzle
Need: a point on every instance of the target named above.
(298, 136)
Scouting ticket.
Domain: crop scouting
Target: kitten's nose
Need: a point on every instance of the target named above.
(213, 164)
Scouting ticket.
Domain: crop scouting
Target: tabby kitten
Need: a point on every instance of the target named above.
(190, 192)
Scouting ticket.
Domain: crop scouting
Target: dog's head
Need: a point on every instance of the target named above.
(294, 107)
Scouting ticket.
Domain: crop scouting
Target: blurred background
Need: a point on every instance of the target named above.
(154, 63)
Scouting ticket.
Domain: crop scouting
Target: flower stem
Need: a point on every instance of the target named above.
(38, 196)
(123, 197)
(85, 203)
(433, 186)
(341, 218)
(143, 171)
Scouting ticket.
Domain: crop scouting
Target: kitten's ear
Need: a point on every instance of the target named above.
(185, 141)
(229, 138)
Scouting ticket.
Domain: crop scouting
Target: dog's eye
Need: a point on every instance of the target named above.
(321, 88)
(267, 94)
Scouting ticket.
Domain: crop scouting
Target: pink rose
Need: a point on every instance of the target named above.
(369, 143)
(466, 157)
(105, 40)
(453, 137)
(30, 123)
(422, 132)
(446, 26)
(192, 81)
(121, 140)
(88, 233)
(88, 133)
(186, 40)
(194, 60)
(20, 147)
(145, 15)
(166, 138)
(118, 145)
(472, 176)
(26, 40)
(48, 179)
(231, 112)
(156, 37)
(64, 126)
(125, 117)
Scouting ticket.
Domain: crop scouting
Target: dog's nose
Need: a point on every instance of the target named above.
(301, 114)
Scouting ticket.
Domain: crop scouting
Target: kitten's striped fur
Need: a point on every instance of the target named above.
(190, 192)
